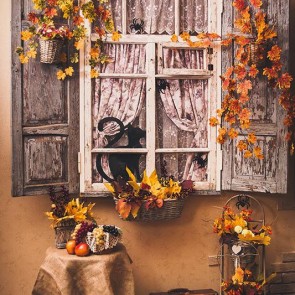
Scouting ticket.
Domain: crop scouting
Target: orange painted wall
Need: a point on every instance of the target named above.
(165, 255)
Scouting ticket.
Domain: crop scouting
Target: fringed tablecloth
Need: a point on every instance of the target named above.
(103, 274)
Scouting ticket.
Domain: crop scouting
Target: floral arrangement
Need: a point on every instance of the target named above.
(150, 193)
(63, 208)
(45, 23)
(237, 227)
(242, 283)
(256, 55)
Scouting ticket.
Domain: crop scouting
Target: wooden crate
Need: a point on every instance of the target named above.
(187, 292)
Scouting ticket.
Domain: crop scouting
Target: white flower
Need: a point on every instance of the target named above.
(247, 232)
(238, 229)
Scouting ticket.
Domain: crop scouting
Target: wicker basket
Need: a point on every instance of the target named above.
(171, 209)
(110, 241)
(63, 231)
(50, 50)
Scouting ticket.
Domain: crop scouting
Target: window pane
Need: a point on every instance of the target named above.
(126, 58)
(154, 17)
(114, 164)
(193, 16)
(183, 165)
(184, 121)
(123, 99)
(184, 58)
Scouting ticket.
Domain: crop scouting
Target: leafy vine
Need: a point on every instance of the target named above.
(256, 55)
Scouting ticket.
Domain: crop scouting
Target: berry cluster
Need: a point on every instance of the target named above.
(111, 229)
(81, 230)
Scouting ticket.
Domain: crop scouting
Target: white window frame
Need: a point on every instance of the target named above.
(214, 102)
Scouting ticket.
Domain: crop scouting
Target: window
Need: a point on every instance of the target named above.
(46, 112)
(165, 88)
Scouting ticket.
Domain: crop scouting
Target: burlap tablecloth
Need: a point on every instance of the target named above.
(103, 274)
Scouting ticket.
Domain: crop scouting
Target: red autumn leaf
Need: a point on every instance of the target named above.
(32, 17)
(78, 20)
(240, 71)
(52, 2)
(274, 54)
(123, 208)
(239, 4)
(256, 3)
(253, 71)
(284, 82)
(271, 73)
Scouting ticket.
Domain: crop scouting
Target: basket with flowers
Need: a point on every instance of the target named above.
(244, 283)
(152, 199)
(65, 214)
(239, 226)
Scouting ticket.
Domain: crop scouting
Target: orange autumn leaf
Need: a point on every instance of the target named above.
(185, 36)
(271, 73)
(243, 25)
(244, 87)
(244, 98)
(269, 34)
(222, 131)
(228, 72)
(219, 112)
(242, 40)
(251, 138)
(242, 145)
(257, 153)
(123, 208)
(274, 54)
(284, 82)
(247, 154)
(226, 42)
(233, 133)
(174, 38)
(244, 115)
(78, 20)
(50, 12)
(253, 71)
(213, 121)
(240, 71)
(256, 3)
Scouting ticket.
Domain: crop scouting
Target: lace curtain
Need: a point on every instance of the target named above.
(118, 97)
(159, 15)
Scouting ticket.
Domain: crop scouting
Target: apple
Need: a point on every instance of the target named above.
(82, 249)
(70, 246)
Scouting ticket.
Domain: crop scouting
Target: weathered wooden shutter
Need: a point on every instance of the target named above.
(270, 174)
(45, 121)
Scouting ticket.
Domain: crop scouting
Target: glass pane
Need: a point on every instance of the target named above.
(115, 164)
(182, 165)
(150, 17)
(126, 58)
(194, 16)
(184, 121)
(123, 99)
(184, 58)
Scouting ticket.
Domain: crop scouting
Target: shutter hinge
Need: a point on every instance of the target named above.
(79, 162)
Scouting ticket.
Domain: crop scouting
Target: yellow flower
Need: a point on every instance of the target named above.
(32, 53)
(60, 75)
(116, 36)
(26, 35)
(69, 71)
(94, 73)
(23, 59)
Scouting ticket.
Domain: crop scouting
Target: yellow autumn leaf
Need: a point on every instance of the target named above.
(32, 53)
(94, 73)
(60, 75)
(174, 38)
(69, 71)
(116, 36)
(23, 59)
(26, 35)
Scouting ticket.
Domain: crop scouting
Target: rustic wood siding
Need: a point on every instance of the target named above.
(45, 120)
(270, 174)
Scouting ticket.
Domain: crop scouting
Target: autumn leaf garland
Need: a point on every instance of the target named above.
(255, 45)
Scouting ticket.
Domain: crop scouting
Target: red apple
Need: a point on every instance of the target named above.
(82, 249)
(70, 246)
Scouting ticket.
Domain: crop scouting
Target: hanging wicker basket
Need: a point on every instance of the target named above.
(63, 231)
(50, 50)
(171, 209)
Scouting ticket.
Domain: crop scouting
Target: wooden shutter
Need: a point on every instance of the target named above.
(270, 174)
(45, 120)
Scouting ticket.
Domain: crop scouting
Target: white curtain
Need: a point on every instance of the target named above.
(159, 15)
